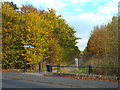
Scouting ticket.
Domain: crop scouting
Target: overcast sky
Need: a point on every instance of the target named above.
(82, 15)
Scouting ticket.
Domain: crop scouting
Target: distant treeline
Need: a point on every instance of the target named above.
(102, 46)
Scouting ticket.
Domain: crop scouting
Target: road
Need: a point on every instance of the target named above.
(12, 83)
(33, 80)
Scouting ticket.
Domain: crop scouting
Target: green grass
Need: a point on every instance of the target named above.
(80, 71)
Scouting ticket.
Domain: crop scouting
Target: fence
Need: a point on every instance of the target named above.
(36, 67)
(112, 71)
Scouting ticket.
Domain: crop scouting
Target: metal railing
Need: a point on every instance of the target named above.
(112, 71)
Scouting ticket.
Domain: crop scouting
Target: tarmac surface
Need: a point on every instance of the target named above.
(39, 78)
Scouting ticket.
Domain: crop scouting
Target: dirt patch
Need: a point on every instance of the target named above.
(98, 78)
(4, 70)
(92, 78)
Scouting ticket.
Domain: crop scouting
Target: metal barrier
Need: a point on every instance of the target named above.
(38, 68)
(73, 69)
(113, 71)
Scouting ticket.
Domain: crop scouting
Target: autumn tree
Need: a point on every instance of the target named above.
(12, 45)
(103, 42)
(64, 37)
(52, 38)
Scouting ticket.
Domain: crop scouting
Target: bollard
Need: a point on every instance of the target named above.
(90, 69)
(49, 68)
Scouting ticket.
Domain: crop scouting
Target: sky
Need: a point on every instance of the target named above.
(82, 15)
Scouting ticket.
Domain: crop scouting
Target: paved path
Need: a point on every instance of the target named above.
(39, 78)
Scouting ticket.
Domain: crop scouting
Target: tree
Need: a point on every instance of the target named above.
(12, 5)
(12, 46)
(103, 42)
(64, 37)
(28, 9)
(50, 35)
